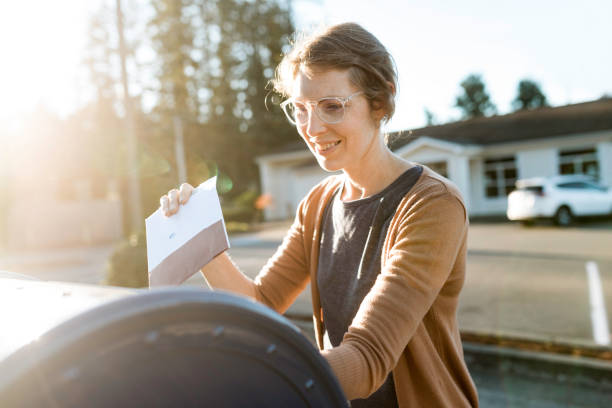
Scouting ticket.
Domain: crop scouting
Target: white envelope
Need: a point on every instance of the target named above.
(179, 245)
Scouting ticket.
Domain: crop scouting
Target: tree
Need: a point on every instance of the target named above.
(110, 146)
(529, 96)
(172, 28)
(430, 118)
(474, 101)
(252, 35)
(216, 58)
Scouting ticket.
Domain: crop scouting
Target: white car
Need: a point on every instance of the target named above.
(560, 198)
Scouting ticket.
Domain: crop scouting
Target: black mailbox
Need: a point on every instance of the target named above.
(66, 345)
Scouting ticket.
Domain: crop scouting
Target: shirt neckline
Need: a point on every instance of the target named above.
(378, 195)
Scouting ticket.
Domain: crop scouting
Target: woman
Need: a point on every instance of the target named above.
(383, 244)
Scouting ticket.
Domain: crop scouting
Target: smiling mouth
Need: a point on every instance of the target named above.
(325, 147)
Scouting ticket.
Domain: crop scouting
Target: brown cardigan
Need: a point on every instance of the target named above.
(407, 322)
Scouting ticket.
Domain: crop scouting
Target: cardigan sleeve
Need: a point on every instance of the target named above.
(286, 274)
(427, 234)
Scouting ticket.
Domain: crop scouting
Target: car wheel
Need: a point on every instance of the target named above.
(563, 217)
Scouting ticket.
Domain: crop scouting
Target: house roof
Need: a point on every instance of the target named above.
(539, 123)
(533, 124)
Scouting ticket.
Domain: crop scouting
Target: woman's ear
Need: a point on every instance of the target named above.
(379, 116)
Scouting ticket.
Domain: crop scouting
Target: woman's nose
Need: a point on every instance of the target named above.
(314, 126)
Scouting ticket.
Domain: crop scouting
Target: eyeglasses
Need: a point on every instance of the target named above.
(330, 109)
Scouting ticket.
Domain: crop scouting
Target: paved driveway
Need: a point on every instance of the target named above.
(530, 282)
(535, 281)
(524, 281)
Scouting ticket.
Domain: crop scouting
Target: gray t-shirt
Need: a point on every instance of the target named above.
(352, 238)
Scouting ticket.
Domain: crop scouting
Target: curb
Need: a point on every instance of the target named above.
(561, 347)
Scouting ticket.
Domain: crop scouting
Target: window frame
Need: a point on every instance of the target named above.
(581, 160)
(500, 182)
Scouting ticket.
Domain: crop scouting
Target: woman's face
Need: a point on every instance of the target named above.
(340, 146)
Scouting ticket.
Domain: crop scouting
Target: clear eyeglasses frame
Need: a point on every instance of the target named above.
(330, 109)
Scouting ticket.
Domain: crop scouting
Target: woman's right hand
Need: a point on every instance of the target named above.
(171, 202)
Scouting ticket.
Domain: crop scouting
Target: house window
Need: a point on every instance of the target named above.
(500, 176)
(582, 161)
(439, 167)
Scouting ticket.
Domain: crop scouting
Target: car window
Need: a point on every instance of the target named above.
(581, 185)
(597, 187)
(578, 185)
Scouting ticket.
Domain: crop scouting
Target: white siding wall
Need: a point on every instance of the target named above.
(604, 155)
(459, 173)
(457, 165)
(266, 186)
(305, 179)
(426, 154)
(289, 179)
(493, 206)
(481, 204)
(277, 181)
(287, 185)
(537, 163)
(476, 187)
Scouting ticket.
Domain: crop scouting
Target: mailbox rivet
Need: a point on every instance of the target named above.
(151, 337)
(218, 331)
(309, 384)
(271, 349)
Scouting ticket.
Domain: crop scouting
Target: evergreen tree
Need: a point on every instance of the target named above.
(474, 101)
(430, 118)
(172, 38)
(99, 121)
(216, 58)
(99, 125)
(529, 96)
(251, 37)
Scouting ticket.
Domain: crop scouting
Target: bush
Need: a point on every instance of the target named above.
(242, 208)
(127, 266)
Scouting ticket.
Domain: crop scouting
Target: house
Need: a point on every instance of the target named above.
(62, 214)
(51, 200)
(483, 156)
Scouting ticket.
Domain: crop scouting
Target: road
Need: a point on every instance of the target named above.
(523, 281)
(520, 281)
(534, 280)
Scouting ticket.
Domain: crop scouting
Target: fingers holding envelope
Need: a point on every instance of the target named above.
(171, 202)
(185, 192)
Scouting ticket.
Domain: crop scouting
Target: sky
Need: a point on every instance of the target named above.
(564, 45)
(41, 45)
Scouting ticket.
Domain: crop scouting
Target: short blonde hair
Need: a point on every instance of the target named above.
(344, 46)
